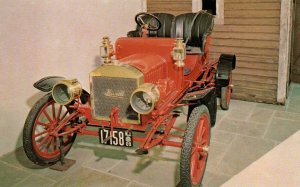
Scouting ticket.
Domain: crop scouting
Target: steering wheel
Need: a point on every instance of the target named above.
(144, 18)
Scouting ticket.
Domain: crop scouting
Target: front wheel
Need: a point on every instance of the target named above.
(195, 147)
(40, 143)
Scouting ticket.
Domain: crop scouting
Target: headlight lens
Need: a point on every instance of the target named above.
(65, 91)
(144, 98)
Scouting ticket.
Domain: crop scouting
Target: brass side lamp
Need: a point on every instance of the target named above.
(179, 53)
(106, 50)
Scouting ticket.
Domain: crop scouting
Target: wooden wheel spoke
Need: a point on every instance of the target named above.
(203, 131)
(54, 144)
(193, 168)
(59, 112)
(47, 116)
(43, 124)
(48, 144)
(199, 135)
(64, 115)
(43, 141)
(194, 163)
(203, 141)
(40, 133)
(53, 111)
(194, 149)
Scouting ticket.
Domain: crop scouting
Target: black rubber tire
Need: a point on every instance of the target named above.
(187, 145)
(27, 134)
(223, 100)
(212, 106)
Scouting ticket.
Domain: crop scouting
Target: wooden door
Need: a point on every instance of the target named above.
(174, 7)
(295, 67)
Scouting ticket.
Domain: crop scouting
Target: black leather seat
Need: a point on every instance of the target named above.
(192, 27)
(164, 31)
(166, 25)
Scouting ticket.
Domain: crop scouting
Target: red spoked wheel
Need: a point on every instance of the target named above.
(41, 141)
(195, 146)
(226, 94)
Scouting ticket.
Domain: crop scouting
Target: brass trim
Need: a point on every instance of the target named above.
(179, 52)
(73, 87)
(106, 50)
(152, 91)
(119, 71)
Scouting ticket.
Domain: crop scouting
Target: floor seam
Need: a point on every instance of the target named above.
(108, 173)
(11, 165)
(250, 113)
(268, 125)
(292, 120)
(238, 134)
(22, 180)
(115, 165)
(224, 154)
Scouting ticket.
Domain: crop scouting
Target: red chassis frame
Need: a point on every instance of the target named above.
(162, 116)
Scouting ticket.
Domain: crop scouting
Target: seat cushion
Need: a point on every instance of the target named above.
(193, 28)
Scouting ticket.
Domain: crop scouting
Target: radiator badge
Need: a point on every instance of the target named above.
(112, 93)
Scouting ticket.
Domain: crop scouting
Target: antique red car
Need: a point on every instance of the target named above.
(143, 82)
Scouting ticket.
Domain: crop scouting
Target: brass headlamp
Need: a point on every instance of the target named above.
(65, 91)
(144, 98)
(179, 53)
(106, 50)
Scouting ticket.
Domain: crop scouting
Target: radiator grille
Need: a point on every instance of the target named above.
(109, 92)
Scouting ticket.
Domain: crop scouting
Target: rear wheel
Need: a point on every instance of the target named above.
(40, 143)
(195, 147)
(226, 94)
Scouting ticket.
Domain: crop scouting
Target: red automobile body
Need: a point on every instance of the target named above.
(152, 56)
(139, 88)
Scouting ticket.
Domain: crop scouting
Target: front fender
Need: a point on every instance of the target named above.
(46, 84)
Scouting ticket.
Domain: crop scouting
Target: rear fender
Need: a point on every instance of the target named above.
(46, 84)
(225, 66)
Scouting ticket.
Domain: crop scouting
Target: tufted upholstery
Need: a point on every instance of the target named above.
(166, 25)
(165, 30)
(182, 25)
(192, 27)
(202, 27)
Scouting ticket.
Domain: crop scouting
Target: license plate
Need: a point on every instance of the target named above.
(118, 137)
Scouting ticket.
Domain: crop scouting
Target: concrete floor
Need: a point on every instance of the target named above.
(242, 135)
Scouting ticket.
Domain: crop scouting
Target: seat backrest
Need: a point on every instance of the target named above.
(166, 25)
(193, 28)
(165, 29)
(182, 25)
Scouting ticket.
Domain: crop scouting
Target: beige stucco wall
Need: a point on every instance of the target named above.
(42, 38)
